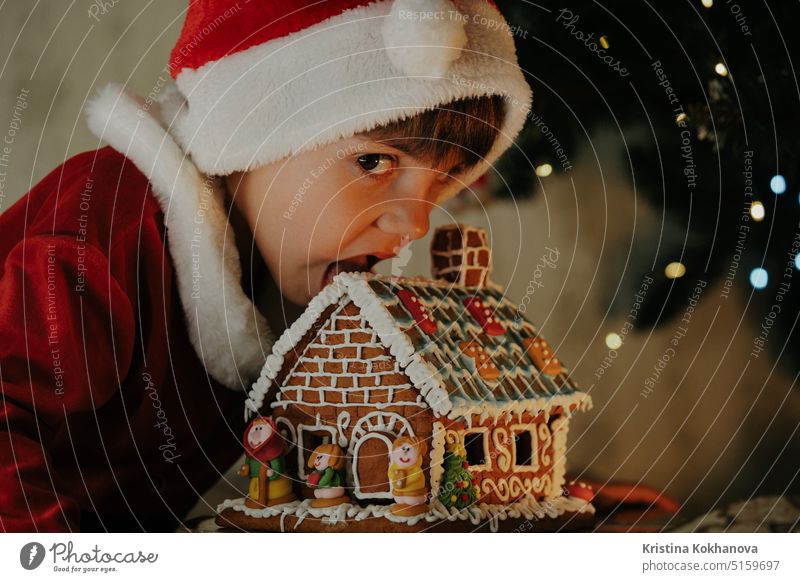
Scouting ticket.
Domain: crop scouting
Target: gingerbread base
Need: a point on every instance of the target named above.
(230, 520)
(407, 510)
(573, 515)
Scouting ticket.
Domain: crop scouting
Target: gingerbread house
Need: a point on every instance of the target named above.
(447, 359)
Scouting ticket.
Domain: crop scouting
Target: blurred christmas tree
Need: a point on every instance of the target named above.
(706, 97)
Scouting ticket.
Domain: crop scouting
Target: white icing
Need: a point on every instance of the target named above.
(559, 428)
(342, 423)
(463, 407)
(437, 455)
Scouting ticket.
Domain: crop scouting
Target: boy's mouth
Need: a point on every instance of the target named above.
(359, 264)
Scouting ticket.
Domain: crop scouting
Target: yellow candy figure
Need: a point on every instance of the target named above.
(406, 476)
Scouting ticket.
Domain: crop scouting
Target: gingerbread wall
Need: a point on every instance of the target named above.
(345, 385)
(501, 481)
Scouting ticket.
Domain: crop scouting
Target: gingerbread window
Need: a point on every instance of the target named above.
(308, 439)
(525, 452)
(476, 445)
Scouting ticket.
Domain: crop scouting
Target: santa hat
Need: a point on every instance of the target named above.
(257, 81)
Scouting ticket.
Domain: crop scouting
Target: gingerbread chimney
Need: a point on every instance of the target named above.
(461, 255)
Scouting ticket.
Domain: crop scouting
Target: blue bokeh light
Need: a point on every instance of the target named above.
(759, 278)
(778, 184)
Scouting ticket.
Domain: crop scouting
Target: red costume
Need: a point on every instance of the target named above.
(109, 418)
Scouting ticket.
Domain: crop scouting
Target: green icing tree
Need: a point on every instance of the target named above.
(457, 488)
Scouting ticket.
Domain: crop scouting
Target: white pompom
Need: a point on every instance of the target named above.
(424, 37)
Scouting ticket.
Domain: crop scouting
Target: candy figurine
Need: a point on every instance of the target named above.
(326, 478)
(265, 465)
(406, 476)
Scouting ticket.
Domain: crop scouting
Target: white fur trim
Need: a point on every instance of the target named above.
(227, 331)
(423, 37)
(331, 81)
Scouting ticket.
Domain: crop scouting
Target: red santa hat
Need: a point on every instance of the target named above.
(260, 80)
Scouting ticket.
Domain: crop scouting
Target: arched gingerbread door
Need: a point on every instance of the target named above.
(371, 464)
(370, 444)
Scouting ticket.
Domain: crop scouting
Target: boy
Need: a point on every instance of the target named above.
(135, 280)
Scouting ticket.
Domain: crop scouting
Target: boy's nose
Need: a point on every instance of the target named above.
(407, 216)
(409, 212)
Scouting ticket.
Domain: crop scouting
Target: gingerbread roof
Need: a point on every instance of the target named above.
(465, 349)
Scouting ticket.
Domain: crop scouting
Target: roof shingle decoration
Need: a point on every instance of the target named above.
(459, 339)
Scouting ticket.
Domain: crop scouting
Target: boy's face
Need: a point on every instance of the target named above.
(342, 207)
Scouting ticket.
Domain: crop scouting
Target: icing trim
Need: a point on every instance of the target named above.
(559, 429)
(469, 408)
(437, 455)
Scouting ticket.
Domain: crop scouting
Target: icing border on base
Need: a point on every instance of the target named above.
(527, 508)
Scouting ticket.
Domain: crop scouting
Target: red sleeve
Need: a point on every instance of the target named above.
(66, 339)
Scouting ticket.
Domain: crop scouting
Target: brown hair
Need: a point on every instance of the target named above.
(335, 453)
(462, 131)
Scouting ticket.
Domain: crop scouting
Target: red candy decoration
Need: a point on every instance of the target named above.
(412, 303)
(580, 490)
(483, 315)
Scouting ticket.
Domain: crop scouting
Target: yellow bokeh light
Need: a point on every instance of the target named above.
(613, 341)
(681, 118)
(544, 170)
(708, 3)
(757, 211)
(604, 42)
(721, 69)
(675, 270)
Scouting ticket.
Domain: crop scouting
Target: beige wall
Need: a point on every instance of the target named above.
(692, 435)
(59, 52)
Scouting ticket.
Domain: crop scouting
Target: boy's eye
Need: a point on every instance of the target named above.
(377, 164)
